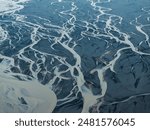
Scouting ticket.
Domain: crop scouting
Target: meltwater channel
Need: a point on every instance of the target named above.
(75, 56)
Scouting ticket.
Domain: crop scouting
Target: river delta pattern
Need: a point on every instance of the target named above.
(75, 56)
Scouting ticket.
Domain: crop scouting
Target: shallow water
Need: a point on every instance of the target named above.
(82, 55)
